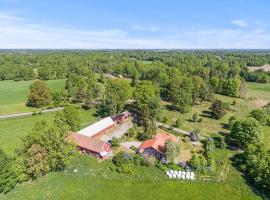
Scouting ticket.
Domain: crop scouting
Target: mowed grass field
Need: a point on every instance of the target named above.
(13, 95)
(13, 130)
(94, 180)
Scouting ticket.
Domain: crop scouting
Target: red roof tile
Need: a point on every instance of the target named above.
(89, 143)
(158, 143)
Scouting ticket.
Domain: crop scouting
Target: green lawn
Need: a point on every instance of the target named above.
(96, 181)
(259, 90)
(13, 95)
(13, 130)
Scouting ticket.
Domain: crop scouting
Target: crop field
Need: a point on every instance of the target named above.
(13, 95)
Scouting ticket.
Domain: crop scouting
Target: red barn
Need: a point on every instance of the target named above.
(98, 128)
(119, 118)
(91, 146)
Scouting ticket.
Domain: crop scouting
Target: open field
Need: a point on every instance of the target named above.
(213, 127)
(96, 181)
(259, 90)
(13, 130)
(13, 95)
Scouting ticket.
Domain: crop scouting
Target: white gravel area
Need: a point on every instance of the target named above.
(117, 131)
(131, 143)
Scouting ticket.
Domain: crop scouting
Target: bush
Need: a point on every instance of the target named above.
(133, 148)
(195, 117)
(165, 119)
(173, 166)
(126, 163)
(260, 115)
(200, 120)
(115, 142)
(218, 109)
(178, 122)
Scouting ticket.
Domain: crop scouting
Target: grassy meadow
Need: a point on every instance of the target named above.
(13, 130)
(96, 181)
(256, 92)
(13, 95)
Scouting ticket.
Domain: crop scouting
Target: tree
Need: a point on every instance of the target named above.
(117, 93)
(36, 163)
(40, 95)
(218, 109)
(8, 178)
(260, 115)
(147, 105)
(68, 117)
(198, 85)
(198, 162)
(132, 132)
(46, 149)
(181, 92)
(256, 163)
(172, 150)
(247, 131)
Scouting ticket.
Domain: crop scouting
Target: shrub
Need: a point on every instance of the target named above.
(133, 148)
(218, 109)
(115, 142)
(195, 117)
(178, 122)
(260, 115)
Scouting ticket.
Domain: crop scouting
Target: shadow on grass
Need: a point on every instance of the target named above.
(206, 113)
(225, 126)
(237, 162)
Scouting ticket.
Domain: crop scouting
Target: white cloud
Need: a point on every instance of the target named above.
(19, 33)
(228, 38)
(240, 23)
(16, 32)
(145, 28)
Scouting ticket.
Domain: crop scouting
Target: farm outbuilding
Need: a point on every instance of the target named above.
(98, 128)
(91, 146)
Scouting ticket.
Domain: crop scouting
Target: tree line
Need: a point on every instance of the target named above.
(45, 149)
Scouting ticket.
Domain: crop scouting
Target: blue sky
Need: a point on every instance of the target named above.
(134, 24)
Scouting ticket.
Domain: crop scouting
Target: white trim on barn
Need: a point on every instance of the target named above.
(97, 127)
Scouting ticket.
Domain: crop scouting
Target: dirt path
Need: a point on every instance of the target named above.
(175, 129)
(28, 113)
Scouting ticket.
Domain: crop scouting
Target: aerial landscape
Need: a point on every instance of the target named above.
(132, 100)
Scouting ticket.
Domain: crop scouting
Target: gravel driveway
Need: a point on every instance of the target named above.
(117, 131)
(131, 143)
